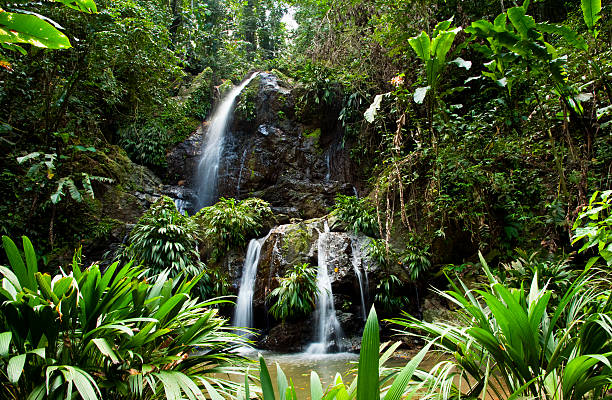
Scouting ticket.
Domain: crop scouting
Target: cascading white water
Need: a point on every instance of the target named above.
(243, 313)
(212, 146)
(327, 325)
(363, 283)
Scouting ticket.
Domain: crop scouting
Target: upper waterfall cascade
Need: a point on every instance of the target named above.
(212, 146)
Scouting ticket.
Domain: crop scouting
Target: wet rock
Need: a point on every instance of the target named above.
(183, 159)
(296, 243)
(271, 153)
(288, 336)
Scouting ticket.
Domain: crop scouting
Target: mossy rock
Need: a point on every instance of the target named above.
(246, 106)
(200, 95)
(225, 87)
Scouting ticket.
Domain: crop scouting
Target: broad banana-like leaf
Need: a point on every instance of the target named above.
(421, 44)
(566, 33)
(17, 264)
(23, 28)
(442, 26)
(525, 25)
(5, 342)
(591, 10)
(15, 367)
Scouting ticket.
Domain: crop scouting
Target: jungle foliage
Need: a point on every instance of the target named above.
(108, 334)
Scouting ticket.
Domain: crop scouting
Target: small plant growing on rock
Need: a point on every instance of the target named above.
(296, 294)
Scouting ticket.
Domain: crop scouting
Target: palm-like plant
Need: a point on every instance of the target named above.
(510, 345)
(109, 335)
(230, 222)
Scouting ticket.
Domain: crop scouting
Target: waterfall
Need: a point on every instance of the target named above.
(212, 146)
(327, 326)
(328, 165)
(363, 283)
(243, 313)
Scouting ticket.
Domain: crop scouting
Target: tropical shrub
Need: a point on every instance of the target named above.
(556, 274)
(390, 294)
(359, 214)
(230, 223)
(164, 239)
(417, 260)
(296, 294)
(511, 344)
(594, 224)
(93, 334)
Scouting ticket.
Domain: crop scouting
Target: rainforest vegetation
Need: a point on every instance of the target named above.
(465, 146)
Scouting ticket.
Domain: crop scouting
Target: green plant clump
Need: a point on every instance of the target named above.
(230, 222)
(296, 294)
(359, 214)
(85, 333)
(164, 239)
(594, 224)
(513, 342)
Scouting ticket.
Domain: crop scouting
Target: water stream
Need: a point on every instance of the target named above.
(327, 328)
(243, 313)
(363, 280)
(212, 146)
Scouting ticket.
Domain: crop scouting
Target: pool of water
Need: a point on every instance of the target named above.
(297, 367)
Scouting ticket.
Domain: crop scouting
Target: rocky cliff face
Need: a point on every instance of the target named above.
(272, 153)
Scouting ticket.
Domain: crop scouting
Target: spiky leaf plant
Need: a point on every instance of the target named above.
(109, 334)
(512, 343)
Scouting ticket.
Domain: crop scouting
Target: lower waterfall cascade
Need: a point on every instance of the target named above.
(327, 329)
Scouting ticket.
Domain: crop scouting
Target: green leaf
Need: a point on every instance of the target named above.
(566, 33)
(368, 383)
(266, 383)
(590, 12)
(420, 44)
(31, 263)
(403, 378)
(106, 349)
(88, 6)
(281, 382)
(22, 28)
(524, 24)
(420, 93)
(460, 62)
(16, 261)
(5, 342)
(15, 367)
(316, 389)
